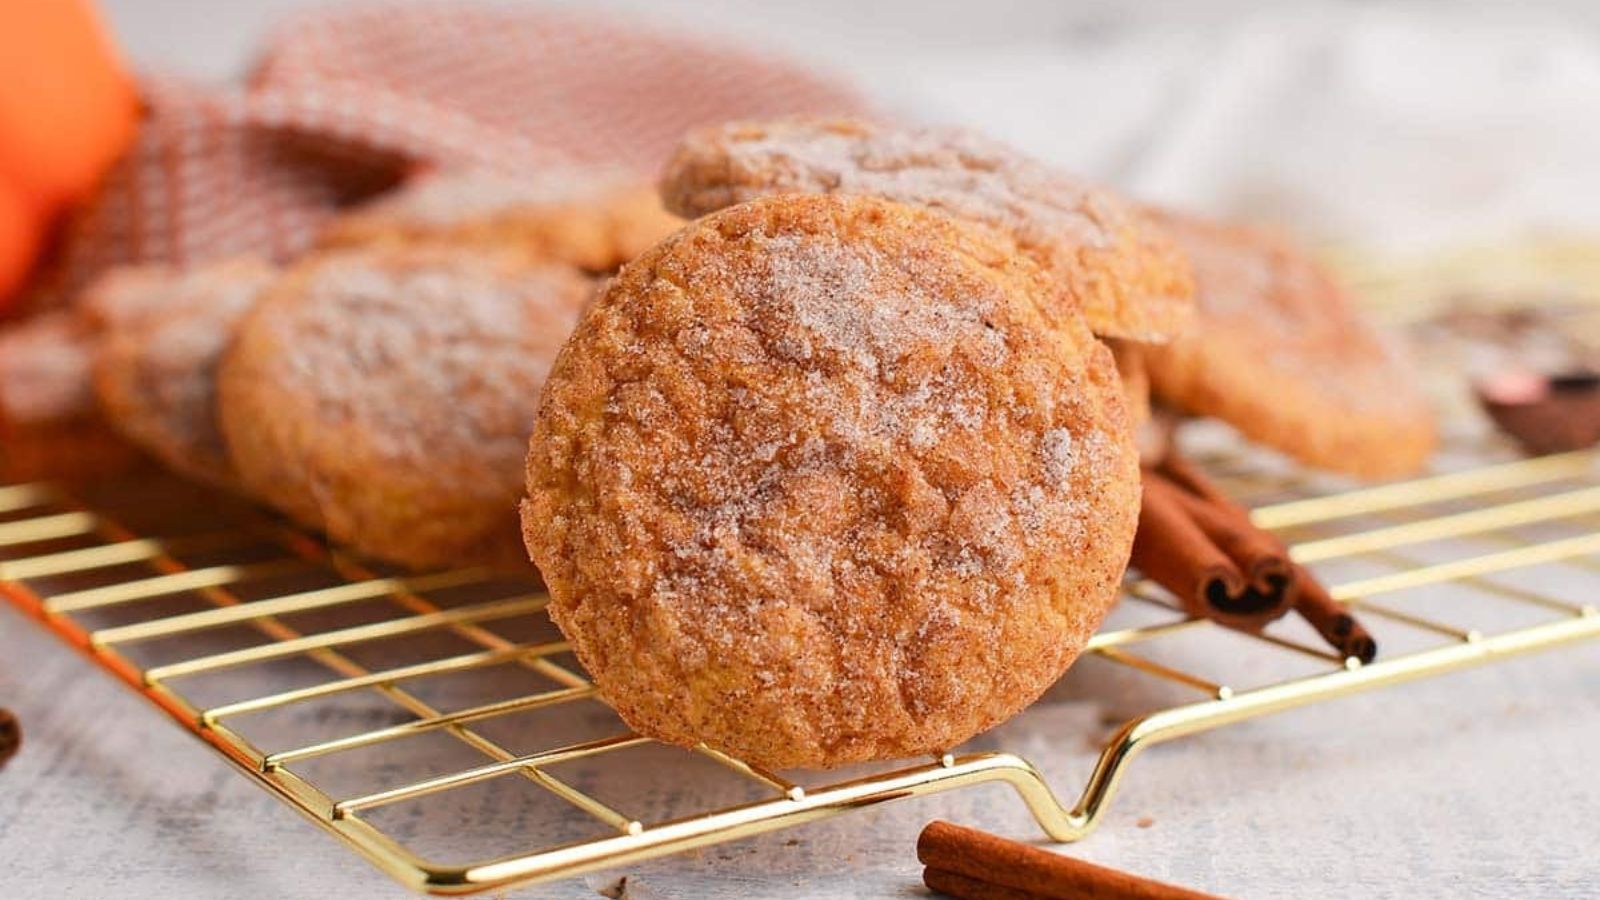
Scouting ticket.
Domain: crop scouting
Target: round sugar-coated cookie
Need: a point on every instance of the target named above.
(385, 396)
(156, 370)
(1280, 352)
(50, 427)
(816, 481)
(1105, 258)
(596, 220)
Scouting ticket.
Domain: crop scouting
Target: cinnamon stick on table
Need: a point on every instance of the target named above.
(975, 865)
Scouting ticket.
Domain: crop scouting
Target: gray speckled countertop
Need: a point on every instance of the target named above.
(1480, 784)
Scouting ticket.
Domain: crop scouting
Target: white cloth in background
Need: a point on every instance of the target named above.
(1402, 128)
(1404, 125)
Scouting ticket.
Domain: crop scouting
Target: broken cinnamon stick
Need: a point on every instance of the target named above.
(972, 864)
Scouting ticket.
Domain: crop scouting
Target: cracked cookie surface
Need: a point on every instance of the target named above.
(1105, 257)
(385, 396)
(815, 481)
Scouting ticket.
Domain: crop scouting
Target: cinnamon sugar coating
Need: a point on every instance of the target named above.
(156, 370)
(593, 220)
(1106, 260)
(385, 396)
(815, 481)
(1280, 352)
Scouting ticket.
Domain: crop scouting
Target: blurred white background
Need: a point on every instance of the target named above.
(1402, 125)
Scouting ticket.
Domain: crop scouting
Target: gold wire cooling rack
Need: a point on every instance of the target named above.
(261, 641)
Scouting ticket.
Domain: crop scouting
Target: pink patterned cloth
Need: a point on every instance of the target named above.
(345, 102)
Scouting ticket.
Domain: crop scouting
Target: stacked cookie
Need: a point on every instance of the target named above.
(381, 388)
(382, 395)
(1205, 318)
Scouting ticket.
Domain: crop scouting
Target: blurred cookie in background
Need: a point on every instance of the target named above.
(595, 220)
(50, 425)
(384, 395)
(155, 372)
(1281, 352)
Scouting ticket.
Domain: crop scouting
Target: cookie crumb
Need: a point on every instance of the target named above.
(625, 887)
(1145, 822)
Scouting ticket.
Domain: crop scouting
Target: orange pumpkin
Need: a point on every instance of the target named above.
(67, 109)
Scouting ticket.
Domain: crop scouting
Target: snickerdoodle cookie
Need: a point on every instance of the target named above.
(815, 481)
(593, 220)
(156, 370)
(1280, 352)
(1106, 259)
(50, 426)
(385, 395)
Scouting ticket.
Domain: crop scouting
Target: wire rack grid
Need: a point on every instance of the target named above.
(199, 605)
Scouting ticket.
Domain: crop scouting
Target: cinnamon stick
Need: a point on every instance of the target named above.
(1332, 620)
(964, 888)
(1328, 616)
(1171, 549)
(968, 863)
(1212, 559)
(1229, 522)
(1262, 558)
(10, 736)
(1180, 471)
(1200, 544)
(958, 885)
